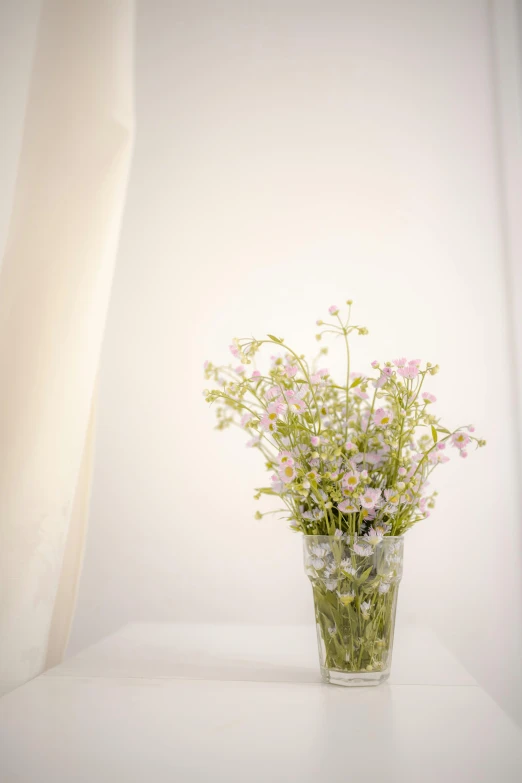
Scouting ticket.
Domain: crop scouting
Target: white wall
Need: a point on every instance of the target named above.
(290, 155)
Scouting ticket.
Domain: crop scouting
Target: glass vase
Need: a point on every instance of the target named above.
(355, 586)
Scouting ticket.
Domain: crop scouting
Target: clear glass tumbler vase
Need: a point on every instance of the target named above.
(355, 586)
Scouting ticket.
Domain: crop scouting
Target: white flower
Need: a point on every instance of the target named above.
(318, 550)
(317, 563)
(373, 536)
(363, 551)
(365, 609)
(331, 584)
(384, 587)
(332, 630)
(347, 567)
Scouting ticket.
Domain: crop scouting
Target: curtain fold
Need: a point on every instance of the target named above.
(55, 286)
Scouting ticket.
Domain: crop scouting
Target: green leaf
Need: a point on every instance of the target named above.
(364, 576)
(369, 629)
(356, 382)
(434, 434)
(266, 491)
(276, 339)
(444, 430)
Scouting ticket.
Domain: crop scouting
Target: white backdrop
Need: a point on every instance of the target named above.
(288, 156)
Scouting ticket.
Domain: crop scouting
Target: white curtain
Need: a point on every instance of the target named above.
(55, 285)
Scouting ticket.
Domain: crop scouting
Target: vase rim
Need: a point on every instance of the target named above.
(335, 538)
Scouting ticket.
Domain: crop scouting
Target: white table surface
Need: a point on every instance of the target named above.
(176, 703)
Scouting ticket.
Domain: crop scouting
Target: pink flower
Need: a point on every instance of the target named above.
(285, 458)
(410, 371)
(429, 397)
(402, 471)
(471, 428)
(347, 506)
(240, 370)
(206, 364)
(333, 310)
(256, 374)
(253, 442)
(400, 362)
(319, 375)
(415, 362)
(234, 350)
(350, 480)
(379, 383)
(273, 392)
(314, 440)
(387, 371)
(297, 405)
(286, 473)
(382, 417)
(437, 457)
(392, 496)
(273, 411)
(277, 484)
(245, 418)
(291, 370)
(269, 425)
(349, 446)
(460, 440)
(370, 498)
(375, 363)
(360, 393)
(463, 453)
(441, 446)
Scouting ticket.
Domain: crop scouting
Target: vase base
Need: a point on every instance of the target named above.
(363, 679)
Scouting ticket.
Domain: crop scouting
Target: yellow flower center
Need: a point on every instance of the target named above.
(289, 471)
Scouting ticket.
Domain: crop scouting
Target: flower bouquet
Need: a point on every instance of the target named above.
(350, 464)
